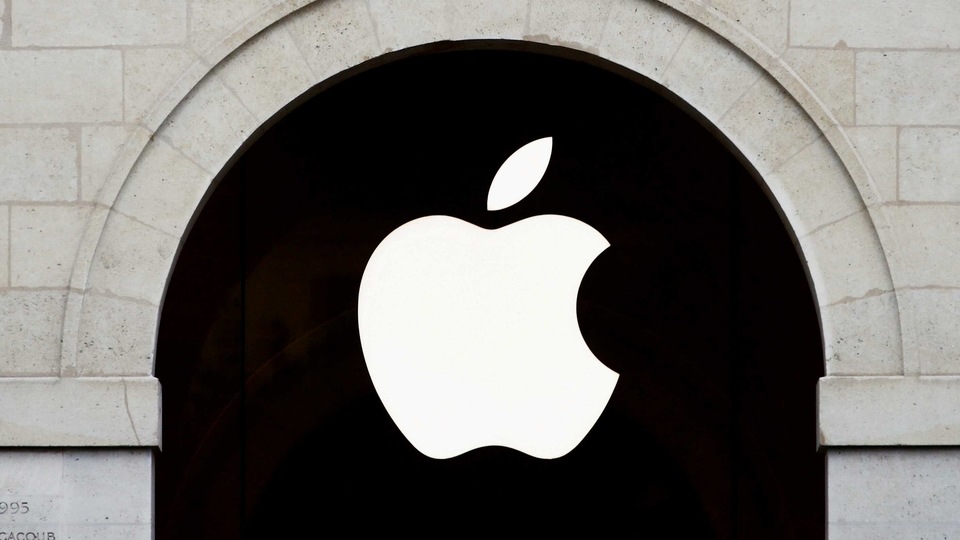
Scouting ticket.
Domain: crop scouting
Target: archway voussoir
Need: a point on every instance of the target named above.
(132, 260)
(163, 189)
(571, 23)
(333, 36)
(267, 72)
(846, 260)
(647, 52)
(406, 23)
(768, 126)
(861, 337)
(473, 19)
(808, 190)
(709, 74)
(209, 125)
(117, 336)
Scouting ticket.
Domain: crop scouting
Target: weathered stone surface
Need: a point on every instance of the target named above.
(879, 24)
(43, 411)
(471, 19)
(37, 164)
(574, 24)
(767, 20)
(925, 251)
(768, 126)
(814, 189)
(132, 260)
(847, 261)
(43, 244)
(30, 324)
(117, 336)
(100, 147)
(893, 494)
(709, 74)
(150, 75)
(830, 74)
(164, 189)
(648, 52)
(102, 494)
(208, 110)
(267, 73)
(908, 87)
(92, 23)
(877, 147)
(56, 86)
(334, 36)
(888, 411)
(930, 164)
(862, 337)
(930, 319)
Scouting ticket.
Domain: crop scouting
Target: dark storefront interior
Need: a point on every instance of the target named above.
(271, 426)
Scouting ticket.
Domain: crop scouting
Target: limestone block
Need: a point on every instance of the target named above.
(768, 126)
(57, 86)
(37, 164)
(925, 247)
(164, 189)
(830, 74)
(54, 411)
(846, 260)
(132, 260)
(93, 23)
(930, 164)
(92, 493)
(878, 24)
(572, 23)
(814, 189)
(151, 78)
(862, 337)
(888, 411)
(766, 20)
(334, 36)
(4, 246)
(267, 73)
(908, 87)
(405, 23)
(38, 472)
(877, 147)
(893, 494)
(473, 19)
(43, 244)
(930, 319)
(709, 73)
(116, 337)
(644, 35)
(209, 125)
(30, 325)
(79, 494)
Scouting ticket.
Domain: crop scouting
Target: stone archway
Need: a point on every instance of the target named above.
(713, 66)
(751, 98)
(307, 409)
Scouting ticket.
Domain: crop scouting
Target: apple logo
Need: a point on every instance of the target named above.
(471, 336)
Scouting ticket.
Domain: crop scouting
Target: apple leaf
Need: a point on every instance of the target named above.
(519, 174)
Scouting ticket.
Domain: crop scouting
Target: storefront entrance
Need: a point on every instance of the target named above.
(271, 425)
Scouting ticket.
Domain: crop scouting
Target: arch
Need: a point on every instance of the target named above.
(709, 63)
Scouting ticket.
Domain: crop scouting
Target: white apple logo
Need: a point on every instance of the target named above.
(471, 336)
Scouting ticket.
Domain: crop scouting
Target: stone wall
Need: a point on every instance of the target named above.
(116, 116)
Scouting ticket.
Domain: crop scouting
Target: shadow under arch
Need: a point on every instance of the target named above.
(683, 342)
